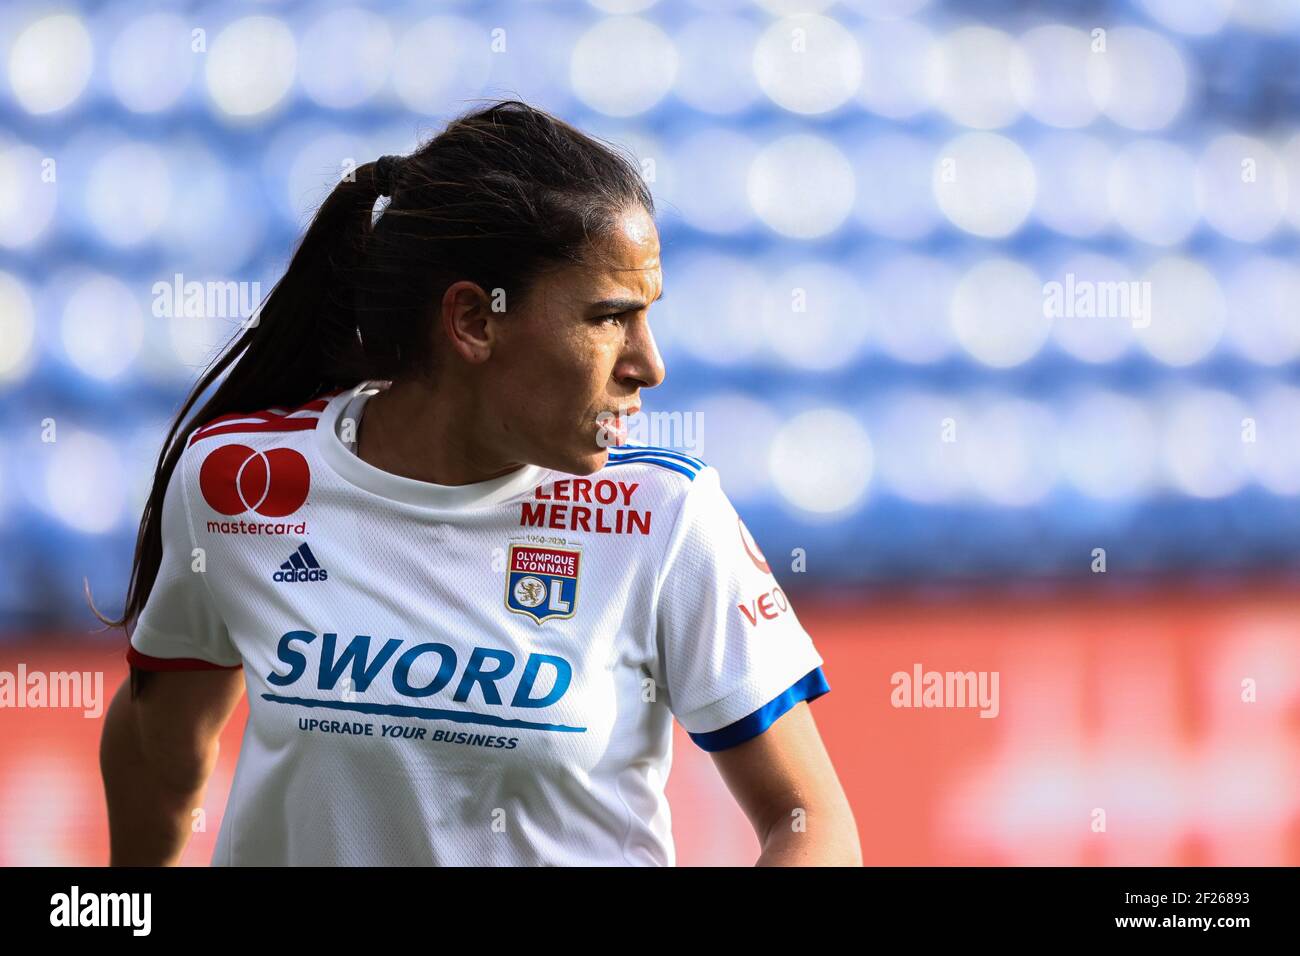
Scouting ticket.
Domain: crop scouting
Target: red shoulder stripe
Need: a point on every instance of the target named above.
(315, 405)
(262, 421)
(273, 425)
(239, 416)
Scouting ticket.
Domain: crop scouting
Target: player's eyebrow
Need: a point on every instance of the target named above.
(624, 304)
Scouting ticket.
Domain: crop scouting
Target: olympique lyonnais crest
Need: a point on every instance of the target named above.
(542, 582)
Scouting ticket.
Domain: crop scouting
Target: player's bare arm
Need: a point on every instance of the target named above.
(156, 754)
(784, 781)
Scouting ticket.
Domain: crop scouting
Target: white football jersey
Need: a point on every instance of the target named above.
(479, 674)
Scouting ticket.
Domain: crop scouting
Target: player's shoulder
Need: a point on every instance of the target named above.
(260, 429)
(673, 483)
(254, 453)
(672, 474)
(685, 467)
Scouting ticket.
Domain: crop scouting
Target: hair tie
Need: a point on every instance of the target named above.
(385, 171)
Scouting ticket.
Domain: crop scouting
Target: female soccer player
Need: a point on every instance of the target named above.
(464, 610)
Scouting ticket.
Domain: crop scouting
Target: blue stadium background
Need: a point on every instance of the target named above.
(862, 204)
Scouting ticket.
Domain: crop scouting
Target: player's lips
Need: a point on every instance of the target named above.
(614, 425)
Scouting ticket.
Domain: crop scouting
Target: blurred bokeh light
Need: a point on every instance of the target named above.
(1070, 237)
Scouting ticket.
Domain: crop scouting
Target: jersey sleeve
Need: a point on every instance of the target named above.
(179, 627)
(732, 655)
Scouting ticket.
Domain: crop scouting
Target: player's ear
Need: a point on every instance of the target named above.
(466, 321)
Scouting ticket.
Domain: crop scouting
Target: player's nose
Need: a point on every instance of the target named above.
(641, 365)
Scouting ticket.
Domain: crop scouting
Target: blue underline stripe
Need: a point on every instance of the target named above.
(428, 713)
(811, 686)
(661, 462)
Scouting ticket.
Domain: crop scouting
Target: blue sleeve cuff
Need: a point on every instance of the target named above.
(811, 686)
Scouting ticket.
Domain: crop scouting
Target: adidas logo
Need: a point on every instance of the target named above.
(301, 566)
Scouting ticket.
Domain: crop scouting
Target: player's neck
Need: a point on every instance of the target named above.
(411, 430)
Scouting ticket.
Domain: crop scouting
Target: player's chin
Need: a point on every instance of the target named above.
(587, 454)
(589, 462)
(579, 458)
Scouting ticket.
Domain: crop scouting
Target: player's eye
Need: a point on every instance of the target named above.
(618, 317)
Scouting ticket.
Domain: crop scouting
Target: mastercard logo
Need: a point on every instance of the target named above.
(274, 483)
